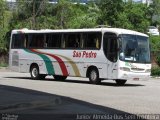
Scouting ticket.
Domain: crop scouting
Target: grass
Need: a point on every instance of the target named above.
(3, 65)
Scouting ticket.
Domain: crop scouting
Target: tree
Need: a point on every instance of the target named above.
(3, 27)
(137, 16)
(153, 11)
(129, 15)
(109, 11)
(2, 10)
(84, 16)
(27, 13)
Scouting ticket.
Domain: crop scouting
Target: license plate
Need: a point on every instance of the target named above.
(135, 78)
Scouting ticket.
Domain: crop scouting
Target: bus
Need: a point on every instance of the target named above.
(98, 54)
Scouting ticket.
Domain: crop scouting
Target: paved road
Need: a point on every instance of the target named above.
(75, 97)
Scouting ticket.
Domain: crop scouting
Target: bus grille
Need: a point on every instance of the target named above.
(137, 69)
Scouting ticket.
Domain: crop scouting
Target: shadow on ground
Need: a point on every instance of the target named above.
(35, 105)
(103, 83)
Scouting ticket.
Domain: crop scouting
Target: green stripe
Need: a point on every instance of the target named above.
(47, 61)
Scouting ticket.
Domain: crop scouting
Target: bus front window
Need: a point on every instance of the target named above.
(134, 48)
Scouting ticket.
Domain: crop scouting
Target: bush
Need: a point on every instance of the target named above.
(158, 60)
(155, 71)
(3, 65)
(155, 43)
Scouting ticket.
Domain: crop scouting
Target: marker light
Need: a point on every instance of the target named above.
(124, 68)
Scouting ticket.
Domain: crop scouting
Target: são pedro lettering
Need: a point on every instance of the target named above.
(84, 54)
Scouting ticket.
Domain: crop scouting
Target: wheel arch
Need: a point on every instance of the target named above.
(33, 64)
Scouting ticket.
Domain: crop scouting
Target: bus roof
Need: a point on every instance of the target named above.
(114, 30)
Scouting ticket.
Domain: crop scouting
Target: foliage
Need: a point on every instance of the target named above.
(27, 12)
(54, 16)
(3, 26)
(155, 43)
(127, 15)
(3, 64)
(155, 71)
(154, 10)
(136, 14)
(158, 60)
(109, 11)
(84, 16)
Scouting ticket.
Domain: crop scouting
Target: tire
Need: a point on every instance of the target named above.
(59, 77)
(94, 76)
(34, 71)
(120, 82)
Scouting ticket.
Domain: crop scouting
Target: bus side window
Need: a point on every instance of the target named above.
(92, 40)
(72, 40)
(64, 41)
(53, 40)
(36, 40)
(18, 41)
(81, 41)
(40, 41)
(77, 41)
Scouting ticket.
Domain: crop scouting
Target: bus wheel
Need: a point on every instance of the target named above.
(120, 82)
(59, 77)
(34, 71)
(94, 76)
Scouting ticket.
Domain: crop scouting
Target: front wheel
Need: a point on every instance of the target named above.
(59, 77)
(94, 76)
(120, 82)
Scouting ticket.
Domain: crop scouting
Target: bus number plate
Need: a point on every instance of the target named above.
(135, 78)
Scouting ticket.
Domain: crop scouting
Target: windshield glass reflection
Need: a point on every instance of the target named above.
(134, 48)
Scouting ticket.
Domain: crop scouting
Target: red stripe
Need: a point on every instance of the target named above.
(60, 62)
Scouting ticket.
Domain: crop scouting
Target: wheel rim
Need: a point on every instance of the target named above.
(34, 72)
(93, 75)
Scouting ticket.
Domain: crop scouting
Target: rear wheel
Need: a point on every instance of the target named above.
(59, 77)
(120, 82)
(34, 71)
(94, 76)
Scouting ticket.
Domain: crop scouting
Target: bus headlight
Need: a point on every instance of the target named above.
(148, 70)
(124, 68)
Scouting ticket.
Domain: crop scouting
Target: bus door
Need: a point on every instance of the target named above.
(110, 47)
(17, 43)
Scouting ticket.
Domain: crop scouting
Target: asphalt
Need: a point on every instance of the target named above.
(25, 99)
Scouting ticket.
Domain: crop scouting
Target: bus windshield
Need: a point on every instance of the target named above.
(134, 48)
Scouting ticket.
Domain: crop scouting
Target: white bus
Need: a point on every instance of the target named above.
(99, 53)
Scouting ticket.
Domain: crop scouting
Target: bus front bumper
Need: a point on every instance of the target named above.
(134, 76)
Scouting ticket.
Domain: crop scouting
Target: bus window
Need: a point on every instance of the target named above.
(53, 40)
(110, 46)
(72, 40)
(36, 40)
(92, 40)
(18, 41)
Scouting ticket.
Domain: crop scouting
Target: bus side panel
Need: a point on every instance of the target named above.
(83, 59)
(28, 58)
(14, 59)
(102, 68)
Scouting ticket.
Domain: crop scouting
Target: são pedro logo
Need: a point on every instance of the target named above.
(84, 54)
